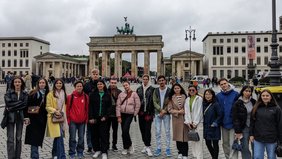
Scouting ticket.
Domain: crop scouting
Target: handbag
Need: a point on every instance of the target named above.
(193, 135)
(278, 150)
(34, 109)
(4, 121)
(58, 118)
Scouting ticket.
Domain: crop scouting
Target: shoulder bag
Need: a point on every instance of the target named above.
(58, 118)
(35, 109)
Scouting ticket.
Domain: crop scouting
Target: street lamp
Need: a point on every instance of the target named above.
(274, 63)
(190, 31)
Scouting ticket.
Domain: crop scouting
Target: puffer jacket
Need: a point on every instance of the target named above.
(148, 98)
(129, 106)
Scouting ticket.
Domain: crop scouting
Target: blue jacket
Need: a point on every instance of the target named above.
(226, 101)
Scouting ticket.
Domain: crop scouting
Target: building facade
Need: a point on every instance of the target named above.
(17, 54)
(242, 54)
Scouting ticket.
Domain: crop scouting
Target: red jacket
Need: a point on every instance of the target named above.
(78, 112)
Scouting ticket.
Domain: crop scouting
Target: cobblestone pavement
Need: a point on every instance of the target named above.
(45, 152)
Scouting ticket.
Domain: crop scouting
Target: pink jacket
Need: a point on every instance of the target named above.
(129, 106)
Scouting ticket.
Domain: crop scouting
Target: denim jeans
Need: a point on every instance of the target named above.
(158, 128)
(58, 147)
(259, 148)
(88, 136)
(73, 144)
(227, 141)
(34, 152)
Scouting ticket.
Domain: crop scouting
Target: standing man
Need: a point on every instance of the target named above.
(89, 87)
(8, 80)
(112, 120)
(160, 100)
(226, 98)
(146, 112)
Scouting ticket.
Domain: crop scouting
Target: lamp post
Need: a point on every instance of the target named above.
(190, 31)
(274, 62)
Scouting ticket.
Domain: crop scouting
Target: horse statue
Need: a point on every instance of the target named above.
(120, 31)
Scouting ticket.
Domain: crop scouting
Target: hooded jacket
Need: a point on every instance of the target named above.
(226, 100)
(77, 112)
(147, 105)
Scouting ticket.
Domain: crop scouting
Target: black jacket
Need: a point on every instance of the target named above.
(94, 105)
(149, 100)
(114, 97)
(90, 86)
(266, 125)
(239, 115)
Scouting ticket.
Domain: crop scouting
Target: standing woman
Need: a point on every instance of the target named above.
(212, 119)
(15, 101)
(176, 103)
(266, 125)
(194, 119)
(241, 114)
(35, 131)
(99, 110)
(128, 105)
(56, 103)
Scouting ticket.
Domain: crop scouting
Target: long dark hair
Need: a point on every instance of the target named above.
(190, 86)
(105, 87)
(22, 86)
(63, 88)
(244, 88)
(213, 96)
(37, 87)
(182, 91)
(259, 102)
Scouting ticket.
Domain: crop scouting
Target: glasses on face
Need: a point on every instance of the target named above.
(192, 90)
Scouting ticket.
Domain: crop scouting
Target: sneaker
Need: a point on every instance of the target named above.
(168, 153)
(104, 156)
(72, 157)
(144, 150)
(97, 154)
(185, 157)
(179, 156)
(124, 151)
(55, 157)
(149, 152)
(131, 149)
(114, 147)
(157, 152)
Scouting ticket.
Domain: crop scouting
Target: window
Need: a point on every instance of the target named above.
(214, 73)
(228, 60)
(3, 44)
(21, 63)
(214, 61)
(3, 63)
(280, 48)
(243, 49)
(26, 44)
(236, 49)
(221, 41)
(258, 39)
(229, 72)
(213, 40)
(221, 61)
(266, 60)
(244, 73)
(26, 63)
(280, 58)
(228, 40)
(221, 73)
(236, 60)
(9, 45)
(243, 60)
(228, 49)
(186, 65)
(258, 61)
(266, 49)
(280, 39)
(15, 53)
(9, 63)
(9, 52)
(243, 40)
(15, 63)
(258, 49)
(15, 44)
(236, 40)
(3, 52)
(50, 66)
(236, 73)
(40, 47)
(265, 39)
(21, 44)
(218, 50)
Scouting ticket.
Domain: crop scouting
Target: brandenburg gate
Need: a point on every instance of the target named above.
(125, 42)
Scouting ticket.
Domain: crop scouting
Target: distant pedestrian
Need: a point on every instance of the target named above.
(8, 80)
(177, 97)
(16, 101)
(212, 119)
(35, 131)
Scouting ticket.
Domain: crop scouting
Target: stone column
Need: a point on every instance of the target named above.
(85, 71)
(91, 59)
(181, 68)
(61, 69)
(109, 65)
(160, 62)
(78, 71)
(173, 68)
(146, 62)
(53, 69)
(201, 67)
(117, 64)
(193, 68)
(105, 64)
(44, 69)
(133, 63)
(36, 68)
(120, 65)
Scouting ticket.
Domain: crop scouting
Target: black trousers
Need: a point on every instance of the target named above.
(145, 128)
(182, 148)
(112, 121)
(125, 127)
(100, 136)
(213, 148)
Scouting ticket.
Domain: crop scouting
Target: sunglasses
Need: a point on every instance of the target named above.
(192, 90)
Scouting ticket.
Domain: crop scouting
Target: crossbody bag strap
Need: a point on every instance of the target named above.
(207, 108)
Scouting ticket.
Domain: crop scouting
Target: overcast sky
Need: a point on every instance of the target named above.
(68, 24)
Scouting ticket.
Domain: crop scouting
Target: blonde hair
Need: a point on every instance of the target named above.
(95, 70)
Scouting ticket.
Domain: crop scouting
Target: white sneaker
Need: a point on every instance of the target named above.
(124, 151)
(179, 156)
(97, 154)
(185, 157)
(104, 156)
(144, 150)
(149, 152)
(131, 149)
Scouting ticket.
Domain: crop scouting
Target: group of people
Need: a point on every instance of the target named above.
(94, 108)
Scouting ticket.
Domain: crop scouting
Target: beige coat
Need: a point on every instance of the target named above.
(180, 130)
